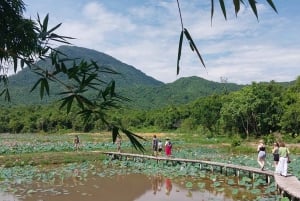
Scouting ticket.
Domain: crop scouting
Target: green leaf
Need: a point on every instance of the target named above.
(67, 101)
(6, 94)
(253, 6)
(42, 88)
(212, 11)
(47, 86)
(201, 185)
(54, 28)
(133, 139)
(236, 6)
(179, 51)
(189, 185)
(234, 191)
(188, 36)
(222, 4)
(36, 84)
(45, 24)
(272, 5)
(15, 61)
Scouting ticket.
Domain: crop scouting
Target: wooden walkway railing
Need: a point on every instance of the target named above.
(289, 186)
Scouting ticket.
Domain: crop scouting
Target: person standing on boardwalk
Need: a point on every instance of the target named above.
(275, 154)
(261, 157)
(154, 145)
(76, 143)
(168, 147)
(282, 166)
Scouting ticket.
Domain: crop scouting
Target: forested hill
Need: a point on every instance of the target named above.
(182, 91)
(144, 91)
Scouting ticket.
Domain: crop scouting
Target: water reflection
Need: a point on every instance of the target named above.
(125, 187)
(8, 197)
(168, 185)
(156, 181)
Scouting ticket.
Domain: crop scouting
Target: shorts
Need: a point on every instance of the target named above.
(261, 154)
(276, 157)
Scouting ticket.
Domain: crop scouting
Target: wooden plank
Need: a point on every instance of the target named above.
(289, 184)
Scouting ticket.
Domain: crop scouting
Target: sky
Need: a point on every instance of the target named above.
(145, 34)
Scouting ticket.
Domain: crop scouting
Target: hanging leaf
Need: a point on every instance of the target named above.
(133, 139)
(222, 4)
(179, 51)
(212, 11)
(236, 6)
(272, 5)
(192, 44)
(253, 6)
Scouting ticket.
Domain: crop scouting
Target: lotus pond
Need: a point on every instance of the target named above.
(106, 179)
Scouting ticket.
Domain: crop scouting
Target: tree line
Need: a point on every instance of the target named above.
(254, 111)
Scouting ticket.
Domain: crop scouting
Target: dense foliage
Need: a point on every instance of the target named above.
(256, 110)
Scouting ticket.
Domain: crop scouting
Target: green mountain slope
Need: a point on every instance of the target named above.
(144, 91)
(183, 90)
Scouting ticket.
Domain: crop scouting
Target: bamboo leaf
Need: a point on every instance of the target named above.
(54, 28)
(36, 84)
(212, 11)
(69, 105)
(253, 7)
(132, 137)
(66, 101)
(192, 44)
(222, 4)
(236, 6)
(179, 51)
(47, 86)
(7, 95)
(272, 5)
(15, 61)
(45, 23)
(42, 88)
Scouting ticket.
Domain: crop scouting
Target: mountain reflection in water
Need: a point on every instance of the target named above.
(132, 187)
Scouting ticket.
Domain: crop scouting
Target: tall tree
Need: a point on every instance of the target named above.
(255, 109)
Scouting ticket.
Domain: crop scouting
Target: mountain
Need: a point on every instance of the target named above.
(182, 91)
(144, 91)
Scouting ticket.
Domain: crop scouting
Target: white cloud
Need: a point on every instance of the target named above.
(145, 34)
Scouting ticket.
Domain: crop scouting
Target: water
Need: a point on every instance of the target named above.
(127, 187)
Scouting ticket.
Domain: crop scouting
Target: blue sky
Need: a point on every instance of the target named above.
(145, 34)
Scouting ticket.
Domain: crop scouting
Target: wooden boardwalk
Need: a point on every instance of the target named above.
(287, 186)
